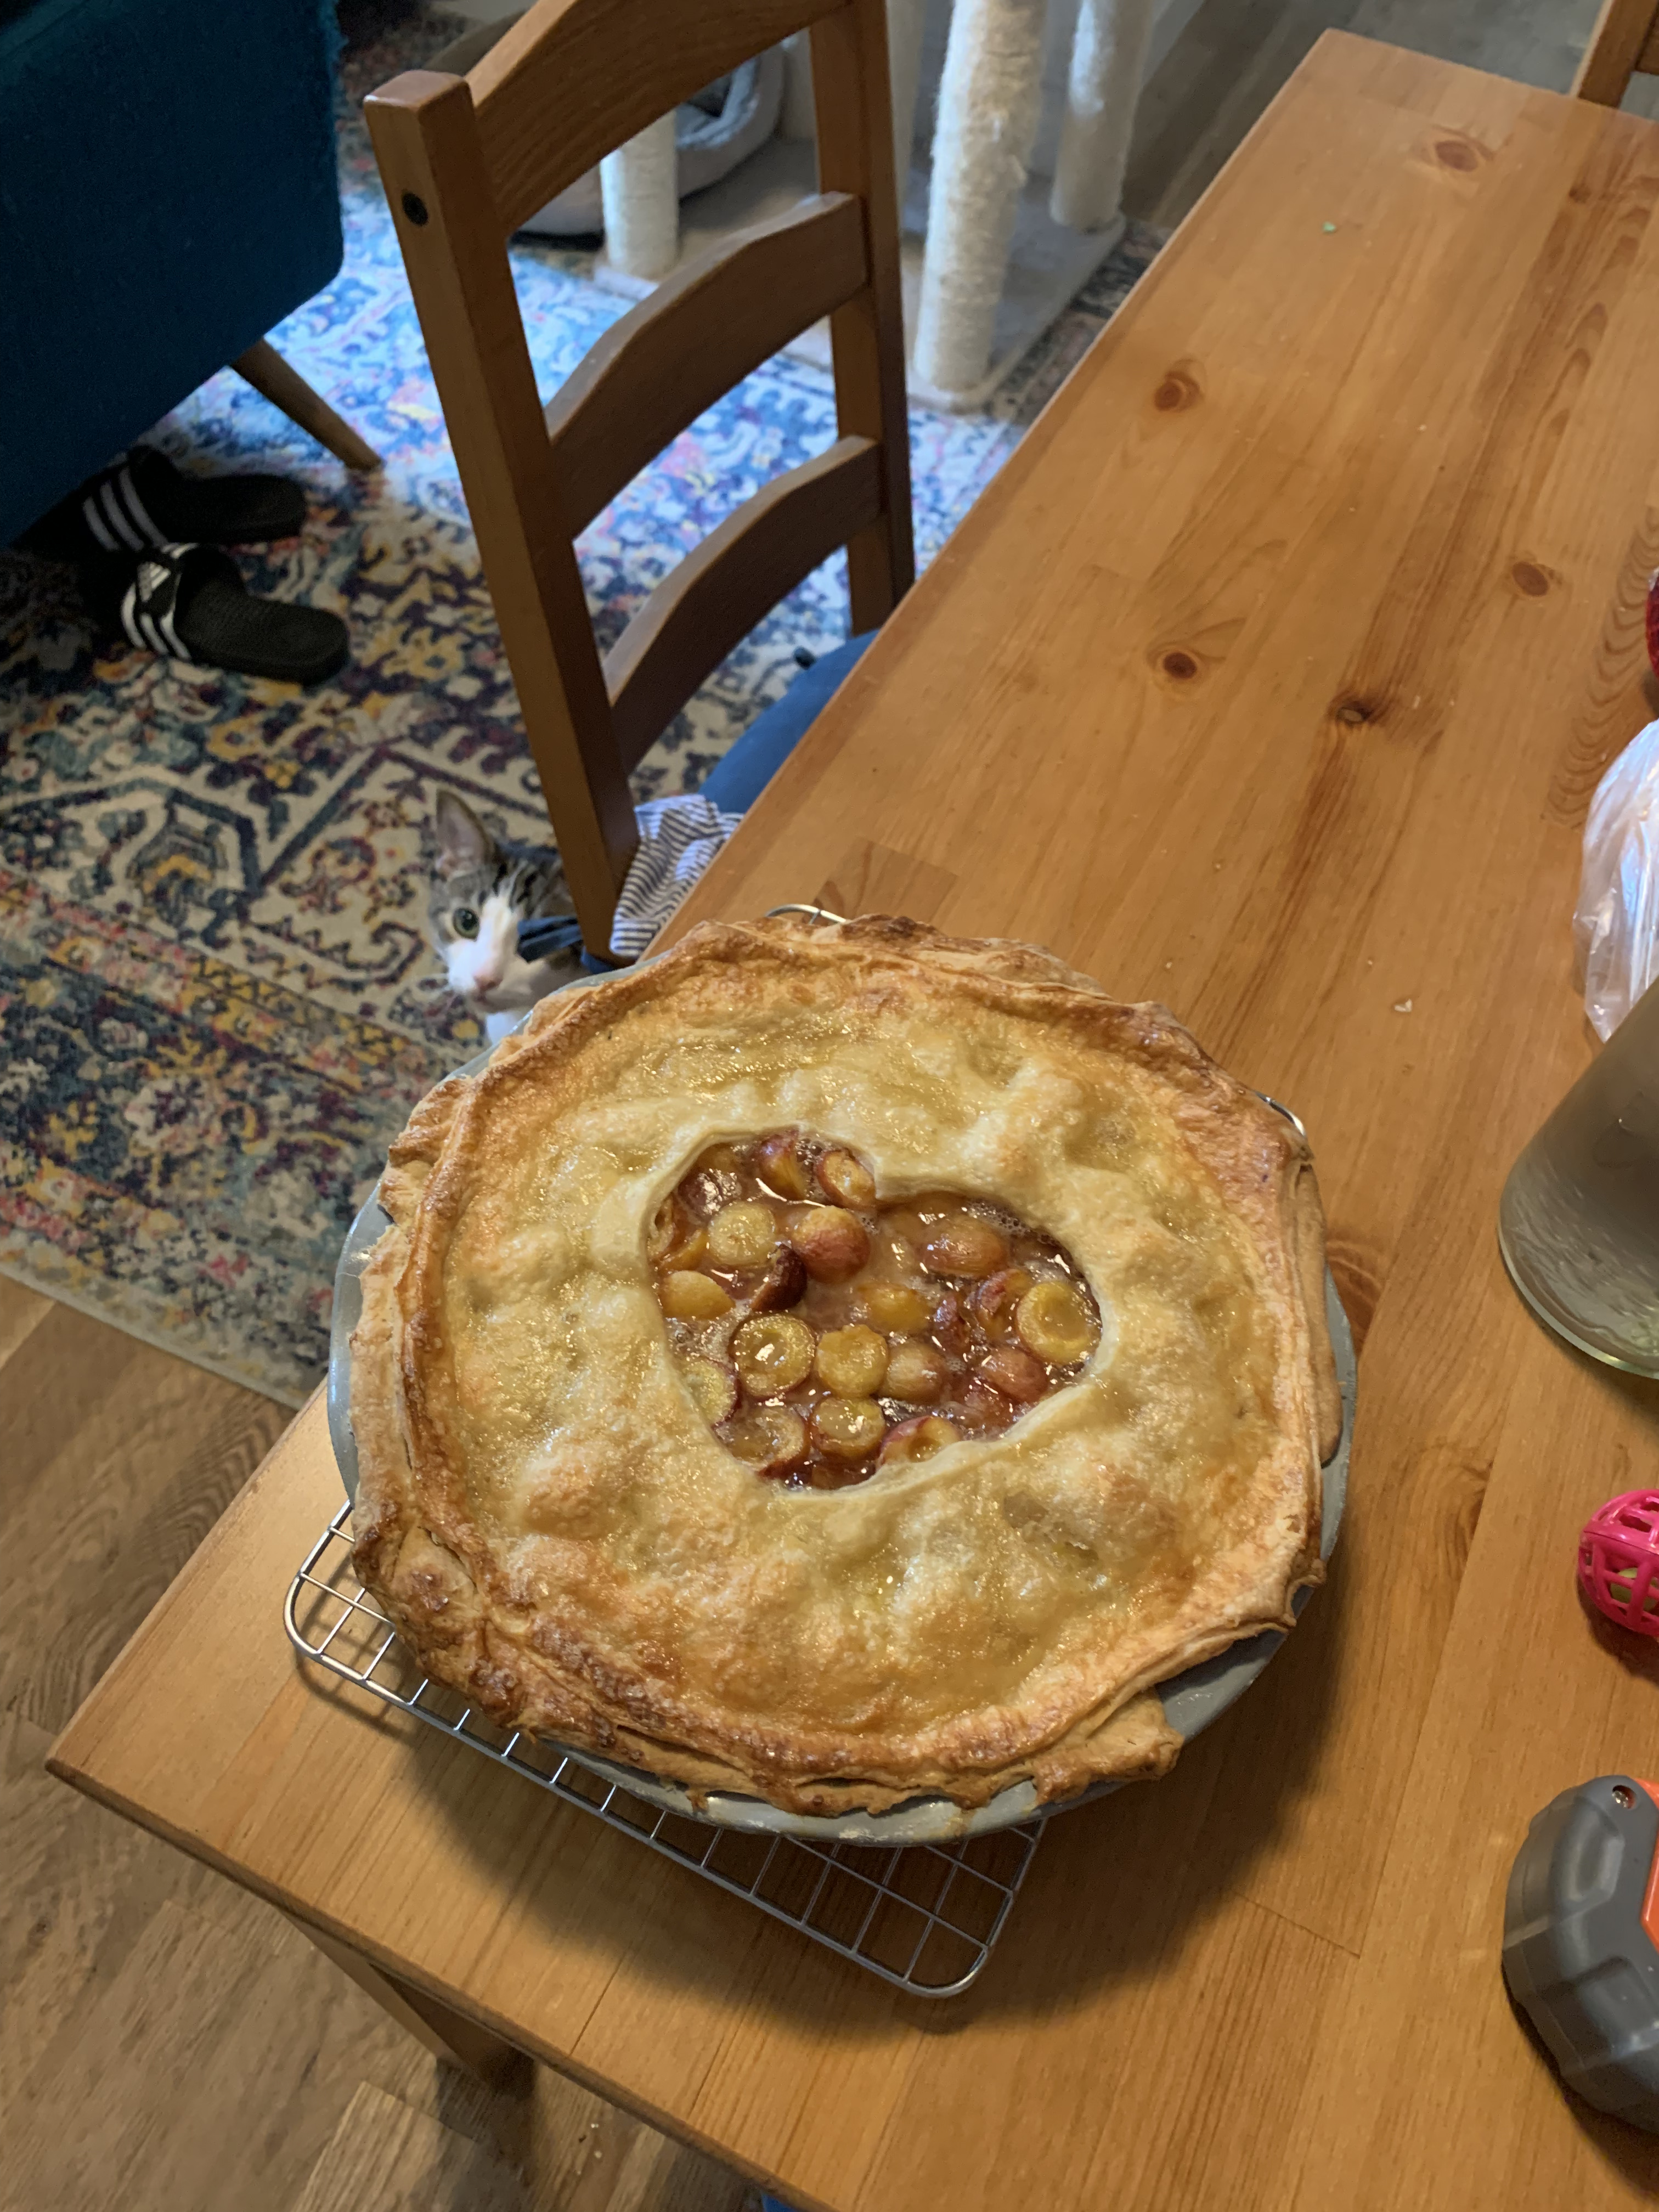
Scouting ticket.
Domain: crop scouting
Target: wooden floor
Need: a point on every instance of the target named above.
(157, 2024)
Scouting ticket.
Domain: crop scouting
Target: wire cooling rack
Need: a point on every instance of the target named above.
(923, 1917)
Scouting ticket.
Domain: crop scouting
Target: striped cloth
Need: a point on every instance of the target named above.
(679, 837)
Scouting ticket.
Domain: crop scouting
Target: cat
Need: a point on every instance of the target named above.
(483, 886)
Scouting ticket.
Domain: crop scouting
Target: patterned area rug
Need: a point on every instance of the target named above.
(216, 999)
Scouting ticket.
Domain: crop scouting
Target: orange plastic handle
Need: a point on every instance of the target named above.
(1651, 1902)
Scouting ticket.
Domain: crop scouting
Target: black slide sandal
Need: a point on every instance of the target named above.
(190, 603)
(141, 500)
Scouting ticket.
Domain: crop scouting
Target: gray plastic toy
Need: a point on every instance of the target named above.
(1576, 1956)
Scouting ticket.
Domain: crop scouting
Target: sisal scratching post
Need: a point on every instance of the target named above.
(1109, 60)
(639, 184)
(906, 21)
(989, 101)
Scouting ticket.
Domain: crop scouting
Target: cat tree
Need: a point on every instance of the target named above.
(990, 104)
(960, 290)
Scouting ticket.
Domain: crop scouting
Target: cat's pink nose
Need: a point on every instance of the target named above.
(485, 979)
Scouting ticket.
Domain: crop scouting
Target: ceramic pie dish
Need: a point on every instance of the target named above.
(563, 1529)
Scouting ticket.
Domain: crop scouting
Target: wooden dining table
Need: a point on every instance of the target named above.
(1271, 678)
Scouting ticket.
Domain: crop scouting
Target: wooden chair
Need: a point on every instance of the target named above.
(1626, 39)
(464, 160)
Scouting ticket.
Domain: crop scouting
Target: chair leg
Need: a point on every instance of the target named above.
(446, 2033)
(263, 367)
(906, 21)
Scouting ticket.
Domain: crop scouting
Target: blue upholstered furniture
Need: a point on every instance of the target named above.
(168, 193)
(737, 780)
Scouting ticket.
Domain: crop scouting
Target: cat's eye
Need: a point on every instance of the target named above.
(463, 921)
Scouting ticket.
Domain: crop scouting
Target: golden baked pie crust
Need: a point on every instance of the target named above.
(558, 1534)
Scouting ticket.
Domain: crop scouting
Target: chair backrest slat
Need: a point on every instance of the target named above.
(699, 333)
(569, 84)
(464, 159)
(713, 598)
(1626, 39)
(425, 137)
(852, 110)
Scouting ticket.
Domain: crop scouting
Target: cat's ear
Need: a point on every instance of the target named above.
(462, 841)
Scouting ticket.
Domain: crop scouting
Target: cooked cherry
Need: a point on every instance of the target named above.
(713, 1389)
(916, 1439)
(848, 1180)
(770, 1438)
(742, 1234)
(894, 1308)
(847, 1428)
(833, 1243)
(1052, 1322)
(677, 1239)
(916, 1372)
(994, 1301)
(782, 1166)
(896, 1254)
(950, 1323)
(782, 1283)
(687, 1296)
(1012, 1370)
(852, 1361)
(773, 1353)
(710, 1188)
(982, 1411)
(963, 1245)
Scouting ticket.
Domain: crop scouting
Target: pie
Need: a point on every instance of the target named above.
(841, 1363)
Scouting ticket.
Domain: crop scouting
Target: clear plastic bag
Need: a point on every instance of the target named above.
(1615, 925)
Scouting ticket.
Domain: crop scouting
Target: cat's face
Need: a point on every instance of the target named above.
(483, 887)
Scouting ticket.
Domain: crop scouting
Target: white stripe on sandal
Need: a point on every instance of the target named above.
(136, 510)
(150, 602)
(95, 523)
(117, 520)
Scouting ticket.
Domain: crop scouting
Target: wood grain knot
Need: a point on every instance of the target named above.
(1179, 665)
(1529, 580)
(1179, 389)
(1353, 712)
(1456, 153)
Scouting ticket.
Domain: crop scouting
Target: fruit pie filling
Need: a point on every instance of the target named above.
(823, 1331)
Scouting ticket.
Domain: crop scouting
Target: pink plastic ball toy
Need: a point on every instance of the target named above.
(1619, 1560)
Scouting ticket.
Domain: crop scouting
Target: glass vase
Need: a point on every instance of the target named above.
(1578, 1222)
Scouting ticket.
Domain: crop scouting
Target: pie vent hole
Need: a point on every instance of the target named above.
(826, 1329)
